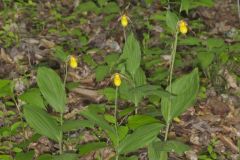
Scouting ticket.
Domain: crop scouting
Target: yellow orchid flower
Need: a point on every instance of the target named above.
(73, 62)
(117, 80)
(124, 20)
(183, 26)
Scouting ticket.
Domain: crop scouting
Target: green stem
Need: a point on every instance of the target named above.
(60, 147)
(116, 123)
(61, 114)
(125, 36)
(173, 55)
(135, 100)
(136, 105)
(61, 134)
(168, 5)
(66, 73)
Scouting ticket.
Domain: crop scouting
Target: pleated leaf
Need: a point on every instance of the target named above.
(149, 90)
(92, 146)
(136, 121)
(52, 88)
(185, 90)
(33, 97)
(99, 120)
(139, 80)
(171, 20)
(70, 125)
(139, 138)
(5, 88)
(66, 156)
(171, 146)
(153, 152)
(132, 54)
(42, 122)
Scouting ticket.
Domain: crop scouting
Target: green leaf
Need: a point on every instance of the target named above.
(139, 80)
(109, 118)
(70, 125)
(203, 3)
(190, 41)
(25, 156)
(66, 156)
(205, 59)
(171, 20)
(224, 56)
(5, 88)
(139, 77)
(129, 158)
(185, 5)
(149, 2)
(17, 150)
(101, 72)
(139, 138)
(163, 156)
(92, 146)
(16, 125)
(52, 88)
(185, 89)
(45, 157)
(72, 85)
(99, 120)
(136, 121)
(214, 42)
(102, 2)
(126, 111)
(111, 8)
(124, 91)
(149, 90)
(171, 146)
(132, 54)
(87, 58)
(6, 157)
(60, 53)
(109, 93)
(111, 59)
(155, 153)
(42, 122)
(87, 7)
(122, 132)
(96, 108)
(33, 97)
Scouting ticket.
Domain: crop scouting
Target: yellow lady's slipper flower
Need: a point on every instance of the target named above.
(73, 62)
(183, 27)
(182, 23)
(124, 20)
(117, 80)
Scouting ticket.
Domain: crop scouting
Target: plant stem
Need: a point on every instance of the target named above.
(124, 33)
(116, 123)
(66, 73)
(61, 134)
(168, 5)
(115, 109)
(135, 100)
(173, 55)
(61, 114)
(60, 147)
